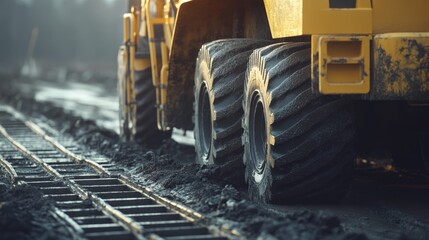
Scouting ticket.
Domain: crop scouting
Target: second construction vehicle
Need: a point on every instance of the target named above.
(276, 89)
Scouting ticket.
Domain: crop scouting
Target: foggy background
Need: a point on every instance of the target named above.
(77, 35)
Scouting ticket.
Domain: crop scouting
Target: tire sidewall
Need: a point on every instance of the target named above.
(203, 78)
(259, 187)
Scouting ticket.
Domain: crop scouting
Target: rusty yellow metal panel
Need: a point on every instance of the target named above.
(401, 66)
(289, 18)
(342, 63)
(400, 16)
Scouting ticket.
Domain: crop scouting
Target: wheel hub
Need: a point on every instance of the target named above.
(204, 122)
(258, 135)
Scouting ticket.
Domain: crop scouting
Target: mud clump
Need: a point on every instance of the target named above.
(25, 214)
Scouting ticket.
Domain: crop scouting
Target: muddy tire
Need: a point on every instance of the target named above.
(146, 129)
(298, 146)
(218, 91)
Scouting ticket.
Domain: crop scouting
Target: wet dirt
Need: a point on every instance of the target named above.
(170, 170)
(25, 214)
(86, 99)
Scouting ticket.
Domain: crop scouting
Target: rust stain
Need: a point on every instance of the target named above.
(402, 69)
(388, 74)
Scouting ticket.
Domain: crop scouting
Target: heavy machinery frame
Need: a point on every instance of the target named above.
(361, 50)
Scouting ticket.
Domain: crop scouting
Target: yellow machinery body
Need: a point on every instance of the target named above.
(374, 49)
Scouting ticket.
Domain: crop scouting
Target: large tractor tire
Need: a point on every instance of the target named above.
(145, 130)
(218, 91)
(298, 145)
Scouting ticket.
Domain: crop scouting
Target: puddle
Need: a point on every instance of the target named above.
(88, 101)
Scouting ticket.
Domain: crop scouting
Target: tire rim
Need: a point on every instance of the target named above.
(257, 136)
(204, 122)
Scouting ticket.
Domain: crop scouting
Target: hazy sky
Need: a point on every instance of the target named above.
(85, 32)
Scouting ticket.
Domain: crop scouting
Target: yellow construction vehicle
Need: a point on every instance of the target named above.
(270, 83)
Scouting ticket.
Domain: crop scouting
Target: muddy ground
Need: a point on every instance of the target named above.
(379, 206)
(26, 214)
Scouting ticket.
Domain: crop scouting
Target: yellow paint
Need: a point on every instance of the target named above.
(340, 39)
(403, 62)
(305, 17)
(400, 16)
(308, 17)
(162, 16)
(141, 64)
(129, 39)
(342, 63)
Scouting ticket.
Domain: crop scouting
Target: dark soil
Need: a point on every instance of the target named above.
(170, 170)
(25, 214)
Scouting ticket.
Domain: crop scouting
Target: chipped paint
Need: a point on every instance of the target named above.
(401, 67)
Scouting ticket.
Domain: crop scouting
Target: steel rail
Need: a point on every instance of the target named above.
(190, 215)
(9, 169)
(39, 131)
(56, 213)
(127, 222)
(61, 216)
(187, 213)
(184, 211)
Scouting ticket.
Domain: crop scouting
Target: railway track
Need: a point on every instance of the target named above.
(91, 194)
